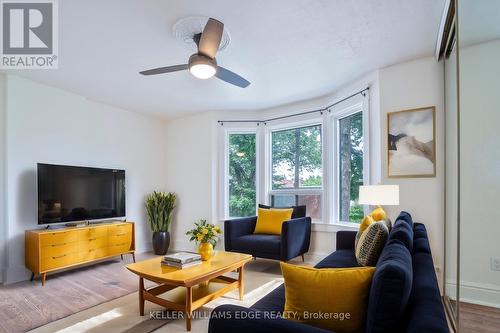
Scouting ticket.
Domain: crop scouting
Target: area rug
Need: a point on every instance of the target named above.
(27, 305)
(121, 315)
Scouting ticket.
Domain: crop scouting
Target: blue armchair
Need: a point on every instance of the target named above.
(293, 242)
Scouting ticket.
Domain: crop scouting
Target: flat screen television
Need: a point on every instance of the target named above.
(74, 194)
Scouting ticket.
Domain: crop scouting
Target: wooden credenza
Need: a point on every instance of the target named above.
(50, 250)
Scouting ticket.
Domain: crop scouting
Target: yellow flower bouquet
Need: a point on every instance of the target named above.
(206, 235)
(205, 232)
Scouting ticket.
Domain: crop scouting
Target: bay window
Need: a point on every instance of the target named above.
(319, 161)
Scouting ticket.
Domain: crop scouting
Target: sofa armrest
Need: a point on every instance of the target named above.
(237, 228)
(345, 240)
(232, 318)
(295, 237)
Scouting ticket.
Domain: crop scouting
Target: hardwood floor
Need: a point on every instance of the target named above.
(26, 305)
(479, 319)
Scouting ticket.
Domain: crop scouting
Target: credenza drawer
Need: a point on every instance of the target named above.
(119, 229)
(57, 261)
(92, 244)
(92, 254)
(120, 238)
(57, 238)
(118, 248)
(96, 232)
(55, 250)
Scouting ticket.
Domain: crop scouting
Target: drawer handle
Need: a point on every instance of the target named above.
(92, 239)
(91, 250)
(120, 234)
(59, 257)
(121, 244)
(54, 245)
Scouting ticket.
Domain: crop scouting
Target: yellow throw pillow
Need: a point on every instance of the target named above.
(366, 223)
(331, 298)
(378, 214)
(269, 221)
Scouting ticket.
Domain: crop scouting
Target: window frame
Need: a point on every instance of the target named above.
(316, 121)
(225, 177)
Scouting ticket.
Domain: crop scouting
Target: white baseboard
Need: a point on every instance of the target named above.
(15, 274)
(476, 293)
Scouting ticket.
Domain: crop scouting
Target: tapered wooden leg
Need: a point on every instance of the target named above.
(303, 258)
(240, 282)
(133, 256)
(121, 255)
(32, 276)
(43, 278)
(189, 301)
(141, 296)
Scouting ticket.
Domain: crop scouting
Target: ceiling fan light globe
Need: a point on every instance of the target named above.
(203, 71)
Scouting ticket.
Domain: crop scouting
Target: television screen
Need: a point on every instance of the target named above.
(69, 193)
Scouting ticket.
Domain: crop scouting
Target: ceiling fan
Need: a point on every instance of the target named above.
(203, 64)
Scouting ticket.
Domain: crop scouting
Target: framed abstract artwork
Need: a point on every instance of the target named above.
(411, 143)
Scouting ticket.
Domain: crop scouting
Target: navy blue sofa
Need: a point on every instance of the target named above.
(404, 295)
(293, 242)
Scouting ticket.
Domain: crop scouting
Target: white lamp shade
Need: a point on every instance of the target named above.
(387, 195)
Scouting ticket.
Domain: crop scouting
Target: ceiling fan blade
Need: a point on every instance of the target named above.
(231, 77)
(161, 70)
(210, 38)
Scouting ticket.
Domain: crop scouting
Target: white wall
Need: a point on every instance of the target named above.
(50, 125)
(412, 85)
(479, 73)
(190, 172)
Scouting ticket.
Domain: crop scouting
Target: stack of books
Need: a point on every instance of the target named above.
(181, 260)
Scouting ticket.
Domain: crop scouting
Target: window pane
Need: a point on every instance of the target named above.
(313, 205)
(296, 158)
(351, 167)
(310, 161)
(283, 200)
(311, 201)
(242, 164)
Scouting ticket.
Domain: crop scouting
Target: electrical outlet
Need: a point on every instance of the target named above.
(495, 264)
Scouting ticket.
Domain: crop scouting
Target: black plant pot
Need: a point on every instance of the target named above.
(161, 242)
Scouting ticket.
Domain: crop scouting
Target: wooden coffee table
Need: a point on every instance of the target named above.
(190, 288)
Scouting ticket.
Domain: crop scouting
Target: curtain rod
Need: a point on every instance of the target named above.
(362, 92)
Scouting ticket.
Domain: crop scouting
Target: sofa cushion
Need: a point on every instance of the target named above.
(371, 243)
(425, 312)
(258, 243)
(405, 216)
(402, 232)
(419, 231)
(298, 211)
(274, 301)
(421, 245)
(390, 290)
(339, 259)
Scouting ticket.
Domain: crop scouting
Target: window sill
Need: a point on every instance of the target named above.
(334, 227)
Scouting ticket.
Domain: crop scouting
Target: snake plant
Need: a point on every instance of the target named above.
(159, 207)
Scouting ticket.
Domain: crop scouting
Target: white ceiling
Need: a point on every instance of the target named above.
(289, 50)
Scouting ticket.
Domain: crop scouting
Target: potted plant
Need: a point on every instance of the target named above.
(206, 235)
(159, 207)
